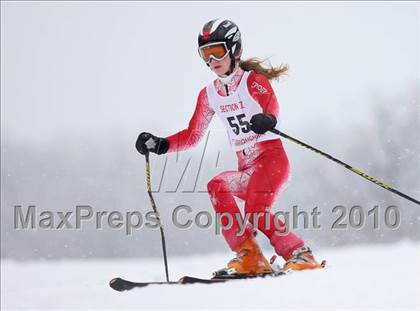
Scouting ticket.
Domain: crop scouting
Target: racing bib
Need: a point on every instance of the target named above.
(236, 111)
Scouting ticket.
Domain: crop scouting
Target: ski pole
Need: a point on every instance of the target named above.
(152, 201)
(354, 170)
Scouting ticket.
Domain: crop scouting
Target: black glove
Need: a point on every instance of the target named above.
(261, 122)
(147, 142)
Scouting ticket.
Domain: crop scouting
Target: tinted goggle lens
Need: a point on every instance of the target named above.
(217, 51)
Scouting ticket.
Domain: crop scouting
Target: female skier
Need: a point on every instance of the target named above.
(245, 101)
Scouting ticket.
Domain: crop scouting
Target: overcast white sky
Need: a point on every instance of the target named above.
(80, 68)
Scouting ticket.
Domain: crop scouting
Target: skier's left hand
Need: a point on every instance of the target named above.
(262, 122)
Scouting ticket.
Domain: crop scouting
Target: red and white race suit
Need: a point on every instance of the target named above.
(263, 167)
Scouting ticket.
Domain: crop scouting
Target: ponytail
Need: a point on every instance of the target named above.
(255, 64)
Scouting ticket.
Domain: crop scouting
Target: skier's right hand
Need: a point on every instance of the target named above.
(147, 142)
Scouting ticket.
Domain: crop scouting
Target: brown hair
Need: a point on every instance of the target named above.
(257, 65)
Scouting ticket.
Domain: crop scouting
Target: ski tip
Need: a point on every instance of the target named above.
(114, 282)
(119, 284)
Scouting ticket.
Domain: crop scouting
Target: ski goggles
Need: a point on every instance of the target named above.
(215, 50)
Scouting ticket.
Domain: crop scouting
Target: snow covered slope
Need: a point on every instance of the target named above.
(371, 277)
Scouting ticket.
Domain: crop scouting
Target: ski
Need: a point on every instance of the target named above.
(120, 284)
